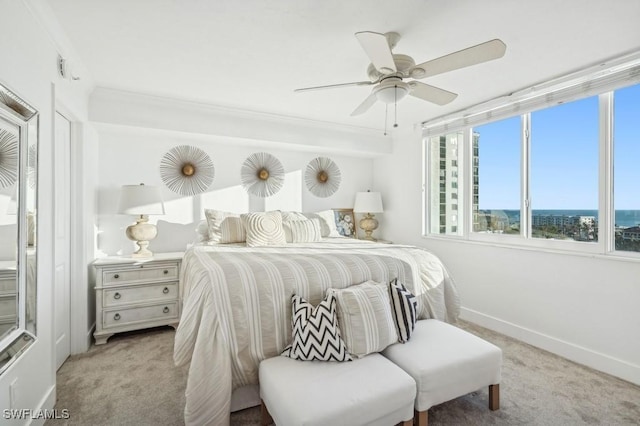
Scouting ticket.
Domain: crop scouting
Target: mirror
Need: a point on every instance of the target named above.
(18, 202)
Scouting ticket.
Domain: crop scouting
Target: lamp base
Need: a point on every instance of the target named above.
(368, 224)
(142, 232)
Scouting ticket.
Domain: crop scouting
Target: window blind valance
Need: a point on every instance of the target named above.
(614, 74)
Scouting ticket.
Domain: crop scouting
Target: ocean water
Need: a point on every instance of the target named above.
(624, 218)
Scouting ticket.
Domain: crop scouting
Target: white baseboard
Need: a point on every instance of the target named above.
(47, 404)
(84, 342)
(579, 354)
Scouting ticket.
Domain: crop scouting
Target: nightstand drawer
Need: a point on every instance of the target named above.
(140, 273)
(116, 318)
(141, 293)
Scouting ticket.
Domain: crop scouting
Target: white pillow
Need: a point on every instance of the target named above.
(172, 237)
(289, 216)
(232, 230)
(263, 229)
(302, 231)
(364, 318)
(214, 221)
(202, 232)
(327, 222)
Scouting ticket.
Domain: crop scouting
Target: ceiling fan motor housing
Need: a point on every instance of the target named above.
(403, 64)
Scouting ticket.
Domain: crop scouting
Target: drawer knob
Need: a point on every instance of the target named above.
(116, 317)
(166, 271)
(116, 276)
(117, 296)
(166, 310)
(165, 290)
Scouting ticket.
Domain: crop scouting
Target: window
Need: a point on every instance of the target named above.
(564, 171)
(552, 166)
(443, 218)
(626, 154)
(496, 177)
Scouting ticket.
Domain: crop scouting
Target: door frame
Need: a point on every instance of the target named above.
(80, 332)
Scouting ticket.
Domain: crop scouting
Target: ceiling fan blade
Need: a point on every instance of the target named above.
(431, 93)
(377, 49)
(332, 86)
(365, 105)
(482, 52)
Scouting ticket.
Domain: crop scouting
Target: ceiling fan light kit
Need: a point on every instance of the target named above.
(391, 90)
(388, 70)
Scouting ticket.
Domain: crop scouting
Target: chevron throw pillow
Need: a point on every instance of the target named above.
(404, 307)
(315, 334)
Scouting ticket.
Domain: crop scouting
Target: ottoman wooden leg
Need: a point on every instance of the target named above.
(265, 417)
(421, 418)
(494, 397)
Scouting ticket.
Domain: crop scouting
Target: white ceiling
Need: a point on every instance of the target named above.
(251, 54)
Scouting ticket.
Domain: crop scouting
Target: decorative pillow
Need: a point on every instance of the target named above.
(302, 231)
(232, 230)
(364, 317)
(404, 306)
(289, 216)
(214, 220)
(263, 229)
(327, 222)
(315, 332)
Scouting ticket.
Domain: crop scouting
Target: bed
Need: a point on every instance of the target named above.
(236, 306)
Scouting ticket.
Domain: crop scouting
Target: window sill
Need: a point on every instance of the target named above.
(617, 256)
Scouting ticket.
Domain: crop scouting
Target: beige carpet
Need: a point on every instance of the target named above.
(132, 381)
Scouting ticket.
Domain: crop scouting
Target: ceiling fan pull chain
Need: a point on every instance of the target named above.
(395, 105)
(386, 109)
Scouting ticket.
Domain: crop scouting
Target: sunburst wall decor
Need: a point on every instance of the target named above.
(8, 158)
(262, 174)
(322, 177)
(187, 170)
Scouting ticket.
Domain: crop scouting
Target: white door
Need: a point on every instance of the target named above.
(62, 291)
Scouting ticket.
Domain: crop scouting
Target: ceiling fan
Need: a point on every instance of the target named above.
(388, 70)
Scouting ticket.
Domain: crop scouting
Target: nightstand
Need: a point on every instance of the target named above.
(136, 293)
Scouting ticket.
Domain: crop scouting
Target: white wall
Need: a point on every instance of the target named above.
(28, 67)
(127, 158)
(584, 308)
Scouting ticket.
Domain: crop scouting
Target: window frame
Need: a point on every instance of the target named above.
(618, 74)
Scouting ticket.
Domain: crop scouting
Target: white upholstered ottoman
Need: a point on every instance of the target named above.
(447, 362)
(367, 391)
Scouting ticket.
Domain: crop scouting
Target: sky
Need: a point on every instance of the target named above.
(564, 156)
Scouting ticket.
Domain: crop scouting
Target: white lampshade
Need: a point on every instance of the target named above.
(368, 202)
(140, 200)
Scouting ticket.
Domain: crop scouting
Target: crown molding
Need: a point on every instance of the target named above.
(125, 109)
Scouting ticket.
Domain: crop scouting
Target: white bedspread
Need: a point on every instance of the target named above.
(236, 305)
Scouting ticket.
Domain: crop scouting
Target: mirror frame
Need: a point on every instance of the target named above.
(17, 340)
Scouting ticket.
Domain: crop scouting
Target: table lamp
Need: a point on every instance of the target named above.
(368, 203)
(141, 200)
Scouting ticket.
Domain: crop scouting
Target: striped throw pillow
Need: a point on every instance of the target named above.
(263, 229)
(315, 332)
(232, 230)
(302, 231)
(404, 306)
(214, 222)
(364, 318)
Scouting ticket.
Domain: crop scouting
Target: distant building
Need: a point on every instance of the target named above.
(561, 221)
(631, 234)
(446, 179)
